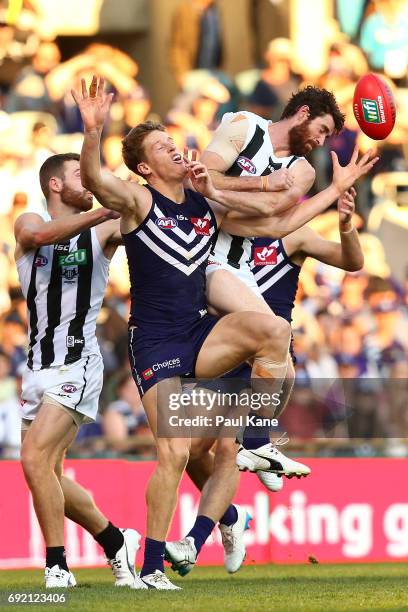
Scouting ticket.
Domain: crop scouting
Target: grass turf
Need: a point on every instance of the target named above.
(317, 588)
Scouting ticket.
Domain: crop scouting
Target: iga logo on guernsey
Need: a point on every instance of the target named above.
(265, 256)
(246, 164)
(166, 223)
(201, 225)
(168, 364)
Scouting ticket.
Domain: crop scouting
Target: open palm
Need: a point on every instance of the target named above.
(93, 105)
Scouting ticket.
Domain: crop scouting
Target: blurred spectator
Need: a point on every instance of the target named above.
(10, 421)
(18, 38)
(42, 139)
(201, 119)
(349, 351)
(124, 421)
(277, 82)
(384, 37)
(13, 341)
(116, 67)
(112, 156)
(388, 341)
(196, 37)
(30, 91)
(129, 110)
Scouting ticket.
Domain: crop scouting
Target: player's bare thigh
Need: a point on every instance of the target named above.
(234, 339)
(226, 294)
(50, 433)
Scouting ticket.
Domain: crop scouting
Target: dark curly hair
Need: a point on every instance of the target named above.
(319, 101)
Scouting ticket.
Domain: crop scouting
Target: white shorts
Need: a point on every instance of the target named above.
(244, 273)
(76, 386)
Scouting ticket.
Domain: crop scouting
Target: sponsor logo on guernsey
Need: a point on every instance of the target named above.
(61, 248)
(148, 373)
(69, 388)
(76, 258)
(168, 364)
(201, 226)
(265, 256)
(166, 223)
(71, 341)
(40, 261)
(371, 110)
(246, 164)
(70, 273)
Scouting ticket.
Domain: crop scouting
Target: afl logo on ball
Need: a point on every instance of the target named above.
(69, 388)
(166, 223)
(246, 164)
(40, 261)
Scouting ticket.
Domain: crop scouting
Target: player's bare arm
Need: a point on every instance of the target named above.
(346, 255)
(290, 220)
(110, 237)
(32, 232)
(128, 198)
(221, 200)
(287, 185)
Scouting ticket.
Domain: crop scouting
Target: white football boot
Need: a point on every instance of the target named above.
(233, 541)
(268, 458)
(271, 481)
(159, 581)
(123, 564)
(58, 578)
(182, 555)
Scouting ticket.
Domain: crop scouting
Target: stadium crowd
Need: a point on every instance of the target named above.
(346, 325)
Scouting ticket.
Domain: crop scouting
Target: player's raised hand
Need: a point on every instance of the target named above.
(280, 180)
(346, 206)
(93, 104)
(201, 180)
(345, 176)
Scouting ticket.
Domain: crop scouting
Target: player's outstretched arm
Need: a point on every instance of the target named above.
(32, 232)
(300, 214)
(283, 187)
(229, 200)
(114, 193)
(346, 255)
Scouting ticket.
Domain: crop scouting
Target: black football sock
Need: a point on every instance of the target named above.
(111, 539)
(55, 555)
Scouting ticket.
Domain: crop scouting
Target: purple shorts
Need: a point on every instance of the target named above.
(154, 359)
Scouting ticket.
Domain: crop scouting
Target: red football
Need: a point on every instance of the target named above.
(374, 107)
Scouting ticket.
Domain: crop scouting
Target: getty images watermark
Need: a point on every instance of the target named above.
(202, 412)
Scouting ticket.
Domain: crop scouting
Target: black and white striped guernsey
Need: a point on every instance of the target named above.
(257, 158)
(64, 285)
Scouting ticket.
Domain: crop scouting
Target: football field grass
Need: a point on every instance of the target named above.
(322, 588)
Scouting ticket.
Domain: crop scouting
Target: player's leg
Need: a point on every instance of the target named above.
(235, 519)
(227, 293)
(243, 335)
(233, 339)
(50, 433)
(287, 388)
(161, 492)
(119, 545)
(200, 467)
